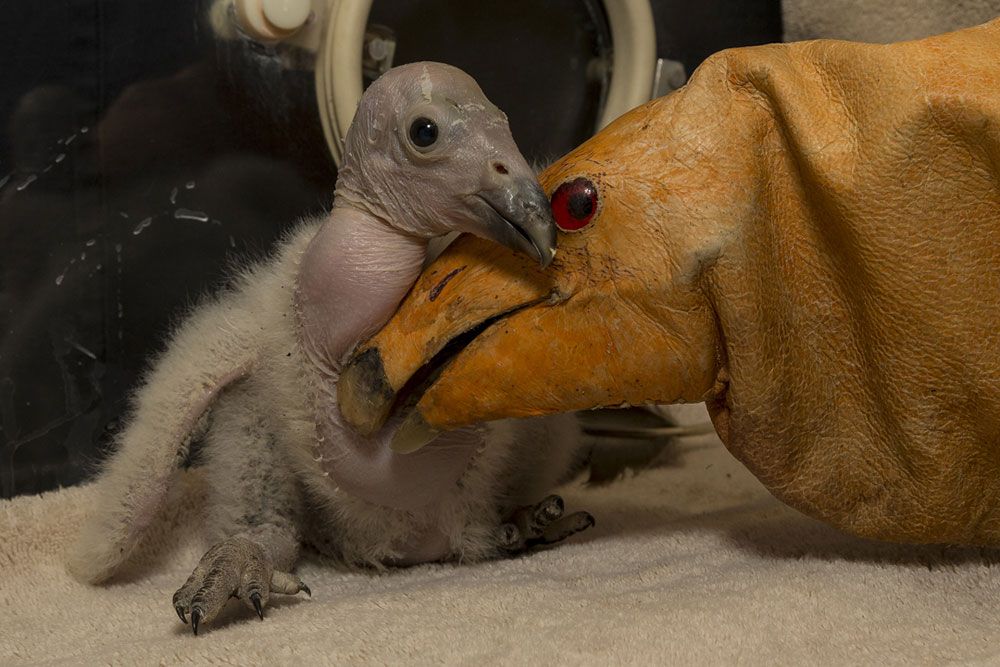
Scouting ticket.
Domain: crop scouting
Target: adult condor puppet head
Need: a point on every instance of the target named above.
(806, 236)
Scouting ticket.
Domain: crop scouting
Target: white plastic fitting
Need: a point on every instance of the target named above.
(336, 34)
(287, 14)
(272, 20)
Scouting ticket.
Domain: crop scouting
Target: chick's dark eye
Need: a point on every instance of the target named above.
(574, 204)
(423, 132)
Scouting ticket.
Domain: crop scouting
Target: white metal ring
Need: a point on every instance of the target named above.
(633, 38)
(339, 82)
(338, 70)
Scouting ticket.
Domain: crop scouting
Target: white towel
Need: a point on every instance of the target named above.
(881, 20)
(690, 565)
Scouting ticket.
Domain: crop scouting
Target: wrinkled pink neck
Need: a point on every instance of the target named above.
(352, 277)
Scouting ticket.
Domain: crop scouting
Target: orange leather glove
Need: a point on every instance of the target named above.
(806, 236)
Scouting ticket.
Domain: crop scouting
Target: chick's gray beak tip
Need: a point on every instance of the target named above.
(546, 257)
(521, 218)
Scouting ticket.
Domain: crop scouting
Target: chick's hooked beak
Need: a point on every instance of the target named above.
(516, 214)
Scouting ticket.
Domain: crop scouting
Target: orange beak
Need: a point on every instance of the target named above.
(486, 334)
(472, 286)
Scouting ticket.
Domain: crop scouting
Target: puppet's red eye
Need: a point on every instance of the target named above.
(574, 204)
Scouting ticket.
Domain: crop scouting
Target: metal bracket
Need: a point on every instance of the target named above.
(668, 76)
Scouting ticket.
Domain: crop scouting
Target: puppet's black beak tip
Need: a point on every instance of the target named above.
(364, 393)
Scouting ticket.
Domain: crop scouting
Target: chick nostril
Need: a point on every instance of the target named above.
(499, 168)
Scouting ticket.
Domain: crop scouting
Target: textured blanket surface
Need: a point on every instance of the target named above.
(694, 564)
(881, 20)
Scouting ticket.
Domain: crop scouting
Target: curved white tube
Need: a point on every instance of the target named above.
(338, 70)
(339, 81)
(633, 37)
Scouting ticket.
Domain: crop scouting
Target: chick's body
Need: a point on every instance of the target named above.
(253, 372)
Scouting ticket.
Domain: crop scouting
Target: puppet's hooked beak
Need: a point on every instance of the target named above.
(516, 213)
(485, 334)
(473, 286)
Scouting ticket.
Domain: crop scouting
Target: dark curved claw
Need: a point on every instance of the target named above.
(549, 510)
(510, 536)
(540, 525)
(180, 613)
(305, 589)
(561, 530)
(195, 617)
(255, 599)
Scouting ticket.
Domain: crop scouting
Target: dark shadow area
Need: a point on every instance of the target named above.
(768, 529)
(793, 536)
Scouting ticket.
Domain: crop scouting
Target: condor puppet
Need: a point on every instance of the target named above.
(807, 237)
